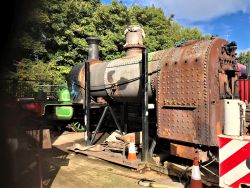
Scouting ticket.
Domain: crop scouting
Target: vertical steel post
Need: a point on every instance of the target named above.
(124, 117)
(88, 134)
(144, 83)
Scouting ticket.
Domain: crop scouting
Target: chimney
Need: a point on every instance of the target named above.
(134, 40)
(93, 53)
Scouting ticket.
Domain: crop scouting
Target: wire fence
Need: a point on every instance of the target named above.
(40, 90)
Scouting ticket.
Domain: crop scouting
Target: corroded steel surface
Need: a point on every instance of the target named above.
(122, 78)
(189, 105)
(187, 152)
(134, 37)
(190, 83)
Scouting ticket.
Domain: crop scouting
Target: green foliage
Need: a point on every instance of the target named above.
(50, 72)
(244, 57)
(53, 36)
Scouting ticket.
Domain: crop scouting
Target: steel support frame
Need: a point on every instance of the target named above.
(106, 109)
(144, 83)
(88, 134)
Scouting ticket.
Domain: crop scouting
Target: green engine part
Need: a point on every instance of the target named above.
(64, 112)
(64, 96)
(78, 127)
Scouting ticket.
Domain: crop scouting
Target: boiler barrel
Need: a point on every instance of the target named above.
(117, 80)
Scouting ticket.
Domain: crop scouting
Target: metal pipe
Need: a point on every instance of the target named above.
(152, 147)
(93, 53)
(88, 134)
(134, 40)
(144, 84)
(242, 117)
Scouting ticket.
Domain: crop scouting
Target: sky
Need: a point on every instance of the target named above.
(229, 19)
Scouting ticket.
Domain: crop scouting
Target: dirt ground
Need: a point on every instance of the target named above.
(84, 171)
(57, 167)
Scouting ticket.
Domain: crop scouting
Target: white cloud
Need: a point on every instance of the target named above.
(199, 10)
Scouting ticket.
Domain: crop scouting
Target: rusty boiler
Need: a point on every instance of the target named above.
(187, 83)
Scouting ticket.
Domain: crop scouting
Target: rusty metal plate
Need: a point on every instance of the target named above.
(221, 68)
(187, 152)
(182, 95)
(189, 103)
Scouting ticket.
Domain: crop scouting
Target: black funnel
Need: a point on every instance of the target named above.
(93, 53)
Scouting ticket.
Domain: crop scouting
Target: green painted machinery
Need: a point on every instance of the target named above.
(64, 112)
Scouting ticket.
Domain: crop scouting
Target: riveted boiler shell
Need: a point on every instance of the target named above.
(189, 92)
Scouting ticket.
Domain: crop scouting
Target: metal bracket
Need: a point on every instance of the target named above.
(106, 109)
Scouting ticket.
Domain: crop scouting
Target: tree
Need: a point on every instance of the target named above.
(110, 22)
(53, 39)
(161, 32)
(244, 57)
(53, 35)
